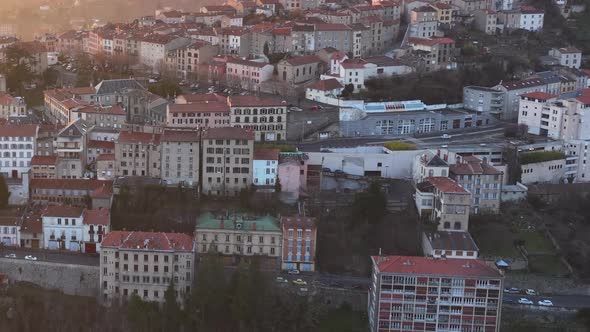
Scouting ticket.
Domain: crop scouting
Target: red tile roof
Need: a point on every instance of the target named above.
(74, 184)
(530, 82)
(416, 265)
(298, 222)
(254, 101)
(249, 63)
(63, 211)
(103, 191)
(266, 154)
(584, 99)
(116, 110)
(135, 137)
(303, 60)
(446, 185)
(326, 85)
(96, 144)
(228, 133)
(201, 107)
(353, 64)
(97, 217)
(180, 136)
(149, 241)
(430, 41)
(539, 95)
(43, 160)
(105, 157)
(18, 130)
(9, 220)
(473, 165)
(32, 224)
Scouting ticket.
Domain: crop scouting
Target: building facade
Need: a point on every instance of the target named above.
(427, 294)
(144, 264)
(265, 117)
(299, 243)
(17, 148)
(180, 158)
(138, 154)
(444, 202)
(482, 180)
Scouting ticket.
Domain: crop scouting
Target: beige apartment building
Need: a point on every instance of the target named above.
(227, 160)
(198, 114)
(299, 69)
(239, 235)
(44, 167)
(137, 154)
(187, 61)
(180, 157)
(144, 264)
(70, 148)
(266, 117)
(443, 201)
(482, 180)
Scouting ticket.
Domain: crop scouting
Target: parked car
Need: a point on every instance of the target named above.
(293, 272)
(10, 256)
(281, 280)
(303, 289)
(316, 108)
(326, 169)
(512, 290)
(446, 136)
(30, 258)
(508, 300)
(531, 292)
(522, 300)
(299, 282)
(546, 303)
(295, 109)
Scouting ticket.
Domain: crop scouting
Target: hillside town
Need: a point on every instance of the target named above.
(345, 165)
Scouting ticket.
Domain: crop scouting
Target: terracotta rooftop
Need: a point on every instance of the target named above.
(105, 145)
(180, 136)
(326, 85)
(136, 137)
(200, 107)
(266, 154)
(538, 95)
(430, 41)
(97, 217)
(298, 222)
(105, 157)
(353, 63)
(43, 160)
(228, 133)
(473, 165)
(446, 185)
(303, 60)
(9, 220)
(254, 101)
(10, 130)
(63, 211)
(149, 241)
(249, 63)
(416, 265)
(32, 224)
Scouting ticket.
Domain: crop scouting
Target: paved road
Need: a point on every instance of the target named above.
(564, 301)
(52, 256)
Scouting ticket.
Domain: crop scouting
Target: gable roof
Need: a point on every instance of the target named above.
(266, 154)
(153, 241)
(113, 86)
(326, 85)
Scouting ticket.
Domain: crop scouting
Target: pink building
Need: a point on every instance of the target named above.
(299, 243)
(292, 174)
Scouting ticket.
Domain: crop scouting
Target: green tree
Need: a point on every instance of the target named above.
(165, 88)
(278, 186)
(266, 49)
(171, 310)
(4, 193)
(142, 316)
(50, 77)
(370, 205)
(207, 304)
(348, 90)
(17, 68)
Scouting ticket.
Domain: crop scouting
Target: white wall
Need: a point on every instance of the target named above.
(548, 171)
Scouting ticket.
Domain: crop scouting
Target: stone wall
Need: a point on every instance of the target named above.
(71, 279)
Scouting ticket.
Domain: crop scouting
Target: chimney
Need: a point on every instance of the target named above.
(446, 157)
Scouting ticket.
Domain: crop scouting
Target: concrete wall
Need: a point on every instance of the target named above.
(397, 164)
(69, 278)
(548, 171)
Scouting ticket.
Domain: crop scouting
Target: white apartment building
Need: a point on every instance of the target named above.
(247, 74)
(430, 164)
(154, 48)
(12, 106)
(144, 264)
(538, 116)
(567, 56)
(180, 158)
(265, 167)
(17, 148)
(227, 160)
(10, 231)
(527, 18)
(357, 71)
(63, 227)
(239, 235)
(266, 117)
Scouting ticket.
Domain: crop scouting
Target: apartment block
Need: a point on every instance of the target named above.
(265, 117)
(137, 154)
(442, 200)
(265, 167)
(76, 192)
(427, 294)
(180, 158)
(70, 148)
(239, 235)
(482, 180)
(17, 148)
(198, 111)
(227, 160)
(567, 56)
(299, 243)
(144, 264)
(44, 167)
(247, 74)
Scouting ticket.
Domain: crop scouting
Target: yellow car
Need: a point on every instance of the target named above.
(299, 282)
